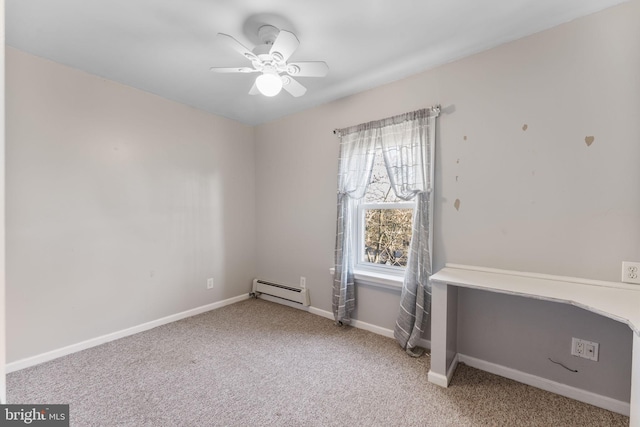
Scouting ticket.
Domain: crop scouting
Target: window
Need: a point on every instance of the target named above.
(384, 224)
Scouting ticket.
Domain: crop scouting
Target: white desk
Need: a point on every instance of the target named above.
(618, 301)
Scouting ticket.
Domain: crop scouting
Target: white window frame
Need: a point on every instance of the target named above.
(359, 264)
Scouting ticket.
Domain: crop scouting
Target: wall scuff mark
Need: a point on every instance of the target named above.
(456, 204)
(525, 127)
(589, 140)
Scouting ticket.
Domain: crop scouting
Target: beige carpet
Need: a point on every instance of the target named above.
(257, 363)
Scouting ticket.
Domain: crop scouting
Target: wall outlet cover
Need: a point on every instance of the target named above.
(631, 272)
(585, 349)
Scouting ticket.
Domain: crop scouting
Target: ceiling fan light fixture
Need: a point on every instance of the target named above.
(269, 84)
(269, 61)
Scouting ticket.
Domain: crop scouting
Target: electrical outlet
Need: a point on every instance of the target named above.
(631, 272)
(210, 283)
(585, 349)
(577, 347)
(303, 282)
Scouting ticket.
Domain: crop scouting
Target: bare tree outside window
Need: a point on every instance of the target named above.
(387, 229)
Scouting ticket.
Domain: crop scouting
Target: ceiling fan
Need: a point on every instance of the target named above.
(270, 60)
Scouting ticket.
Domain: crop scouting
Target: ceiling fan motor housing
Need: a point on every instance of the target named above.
(268, 34)
(271, 60)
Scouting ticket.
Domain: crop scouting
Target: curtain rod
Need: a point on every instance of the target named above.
(435, 109)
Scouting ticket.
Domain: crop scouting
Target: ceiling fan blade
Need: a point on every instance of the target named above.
(293, 87)
(285, 44)
(254, 90)
(308, 69)
(233, 70)
(236, 45)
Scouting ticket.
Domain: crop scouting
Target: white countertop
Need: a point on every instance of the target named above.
(618, 301)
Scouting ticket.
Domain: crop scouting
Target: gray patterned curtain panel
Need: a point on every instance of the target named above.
(407, 144)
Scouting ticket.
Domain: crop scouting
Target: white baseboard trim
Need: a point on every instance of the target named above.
(321, 313)
(452, 368)
(356, 323)
(93, 342)
(329, 315)
(385, 332)
(594, 399)
(372, 328)
(366, 326)
(441, 380)
(424, 343)
(437, 379)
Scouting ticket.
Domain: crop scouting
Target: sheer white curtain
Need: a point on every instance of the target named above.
(406, 141)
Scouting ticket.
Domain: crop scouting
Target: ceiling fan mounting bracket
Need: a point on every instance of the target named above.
(267, 34)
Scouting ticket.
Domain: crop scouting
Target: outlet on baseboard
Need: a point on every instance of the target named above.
(210, 283)
(631, 272)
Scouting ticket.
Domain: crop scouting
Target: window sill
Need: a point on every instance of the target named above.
(375, 279)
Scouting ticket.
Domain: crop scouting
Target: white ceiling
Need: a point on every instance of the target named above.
(166, 47)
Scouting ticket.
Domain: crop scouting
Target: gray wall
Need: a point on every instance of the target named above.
(523, 334)
(120, 205)
(533, 198)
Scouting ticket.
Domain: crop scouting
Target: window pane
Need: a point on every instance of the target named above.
(387, 236)
(379, 189)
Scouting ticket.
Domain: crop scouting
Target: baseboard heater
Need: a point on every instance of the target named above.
(298, 295)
